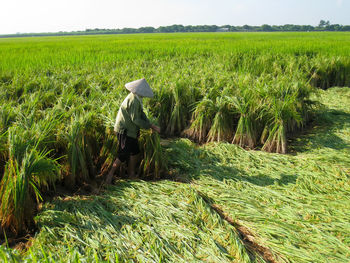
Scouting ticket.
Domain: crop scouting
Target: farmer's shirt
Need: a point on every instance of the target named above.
(130, 117)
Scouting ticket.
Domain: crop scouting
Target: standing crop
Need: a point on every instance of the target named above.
(59, 98)
(26, 172)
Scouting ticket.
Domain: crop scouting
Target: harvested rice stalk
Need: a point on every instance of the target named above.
(222, 126)
(154, 161)
(20, 186)
(281, 112)
(202, 118)
(246, 131)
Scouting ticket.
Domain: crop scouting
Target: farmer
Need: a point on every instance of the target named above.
(130, 119)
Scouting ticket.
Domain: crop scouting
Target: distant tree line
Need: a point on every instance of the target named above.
(323, 26)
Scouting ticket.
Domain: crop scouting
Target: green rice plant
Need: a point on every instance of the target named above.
(79, 85)
(80, 147)
(160, 106)
(26, 172)
(109, 141)
(247, 105)
(282, 113)
(7, 116)
(202, 118)
(154, 161)
(173, 107)
(8, 255)
(108, 151)
(203, 114)
(287, 109)
(177, 119)
(328, 72)
(305, 106)
(67, 100)
(222, 125)
(168, 222)
(292, 207)
(3, 147)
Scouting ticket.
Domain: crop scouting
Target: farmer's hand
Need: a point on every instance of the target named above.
(155, 128)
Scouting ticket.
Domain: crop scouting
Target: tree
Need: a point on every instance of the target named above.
(345, 28)
(177, 28)
(246, 27)
(266, 28)
(148, 29)
(324, 23)
(307, 28)
(163, 29)
(334, 27)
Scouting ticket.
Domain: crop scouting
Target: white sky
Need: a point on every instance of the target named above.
(68, 15)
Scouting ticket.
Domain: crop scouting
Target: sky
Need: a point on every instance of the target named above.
(29, 16)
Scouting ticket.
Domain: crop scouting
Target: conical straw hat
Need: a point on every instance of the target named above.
(140, 87)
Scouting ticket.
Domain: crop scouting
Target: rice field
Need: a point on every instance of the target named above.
(245, 98)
